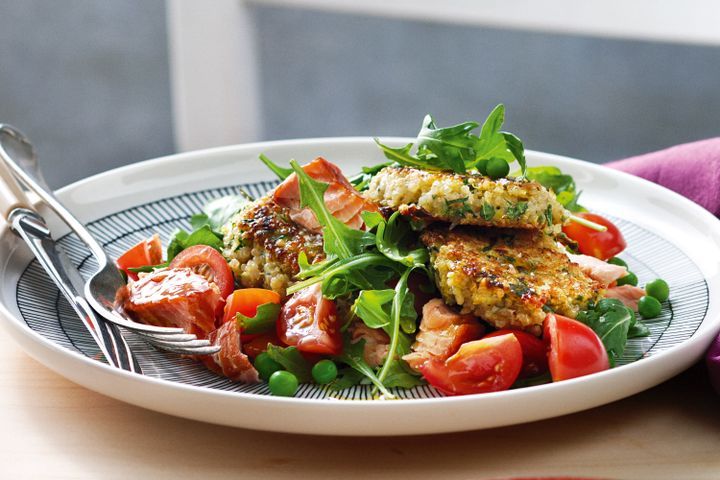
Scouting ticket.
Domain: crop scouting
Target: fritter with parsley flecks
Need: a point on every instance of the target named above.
(509, 278)
(469, 199)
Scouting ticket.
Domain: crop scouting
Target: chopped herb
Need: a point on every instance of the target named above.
(487, 212)
(515, 210)
(549, 215)
(457, 207)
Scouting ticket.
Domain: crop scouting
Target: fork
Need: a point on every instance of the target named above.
(100, 290)
(32, 228)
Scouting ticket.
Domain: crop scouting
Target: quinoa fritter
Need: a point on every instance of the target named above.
(509, 278)
(470, 199)
(262, 245)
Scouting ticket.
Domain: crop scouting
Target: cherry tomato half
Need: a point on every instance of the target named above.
(208, 262)
(309, 322)
(486, 365)
(146, 252)
(602, 245)
(533, 352)
(575, 349)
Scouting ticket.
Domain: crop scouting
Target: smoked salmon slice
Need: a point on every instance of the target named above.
(173, 297)
(344, 202)
(230, 361)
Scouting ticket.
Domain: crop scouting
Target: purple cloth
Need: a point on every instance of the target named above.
(692, 170)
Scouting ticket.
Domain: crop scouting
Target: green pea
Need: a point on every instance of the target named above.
(497, 168)
(629, 279)
(283, 384)
(325, 371)
(618, 261)
(266, 366)
(658, 289)
(481, 166)
(649, 307)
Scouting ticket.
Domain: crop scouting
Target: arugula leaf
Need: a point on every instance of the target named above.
(361, 180)
(281, 172)
(402, 156)
(561, 184)
(637, 328)
(372, 219)
(612, 321)
(220, 210)
(369, 306)
(366, 271)
(373, 307)
(391, 238)
(393, 329)
(347, 377)
(338, 239)
(181, 240)
(264, 320)
(400, 375)
(454, 144)
(455, 148)
(353, 356)
(291, 359)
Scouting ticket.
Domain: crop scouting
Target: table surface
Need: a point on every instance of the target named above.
(53, 428)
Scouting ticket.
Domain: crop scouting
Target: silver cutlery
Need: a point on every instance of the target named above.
(100, 290)
(31, 227)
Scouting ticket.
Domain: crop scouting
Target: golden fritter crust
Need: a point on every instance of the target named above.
(509, 278)
(262, 245)
(470, 199)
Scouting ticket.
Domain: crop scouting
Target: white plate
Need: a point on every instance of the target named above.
(668, 237)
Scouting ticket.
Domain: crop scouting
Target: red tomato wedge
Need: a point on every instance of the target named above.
(486, 365)
(147, 252)
(602, 245)
(533, 351)
(309, 322)
(575, 349)
(207, 262)
(344, 202)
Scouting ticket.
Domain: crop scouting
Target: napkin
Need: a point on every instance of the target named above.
(692, 170)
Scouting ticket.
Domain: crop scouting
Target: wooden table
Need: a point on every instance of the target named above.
(52, 428)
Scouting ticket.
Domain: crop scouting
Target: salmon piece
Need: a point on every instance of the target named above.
(344, 202)
(603, 272)
(173, 297)
(628, 294)
(230, 361)
(442, 331)
(376, 345)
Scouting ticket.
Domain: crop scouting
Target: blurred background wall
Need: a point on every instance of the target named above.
(89, 82)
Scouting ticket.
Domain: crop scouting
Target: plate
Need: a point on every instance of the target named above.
(668, 237)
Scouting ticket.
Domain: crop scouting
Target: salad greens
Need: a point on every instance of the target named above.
(561, 184)
(614, 323)
(292, 360)
(263, 320)
(360, 264)
(456, 149)
(281, 172)
(206, 225)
